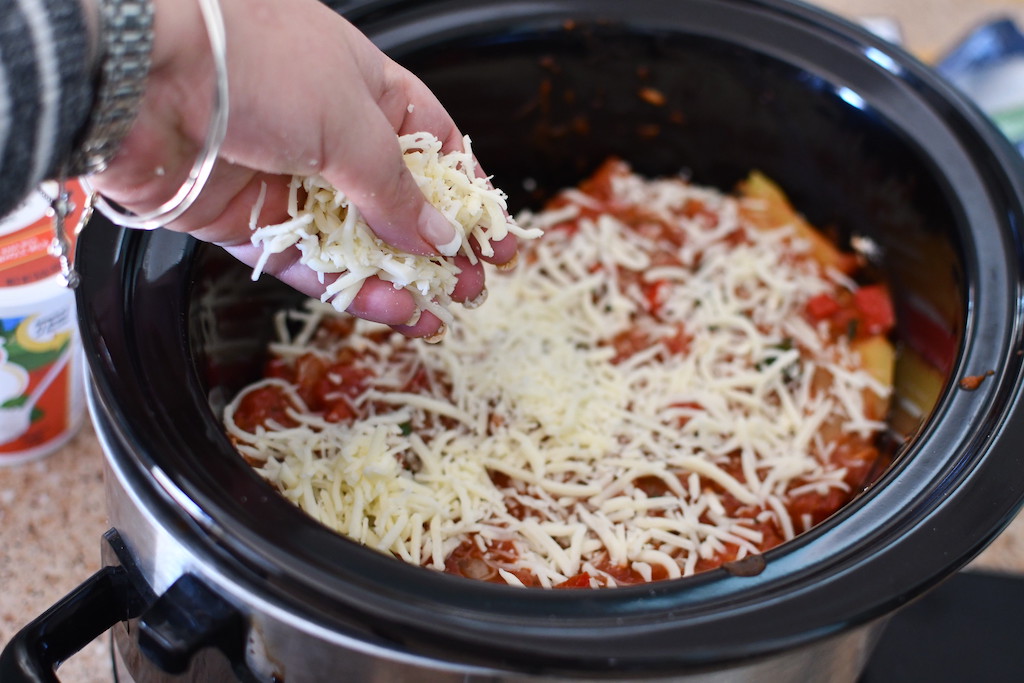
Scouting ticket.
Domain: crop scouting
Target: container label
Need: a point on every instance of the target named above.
(27, 234)
(36, 401)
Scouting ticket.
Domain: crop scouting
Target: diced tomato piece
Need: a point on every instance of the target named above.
(354, 379)
(822, 306)
(339, 411)
(419, 381)
(578, 581)
(652, 486)
(875, 307)
(279, 369)
(309, 371)
(654, 293)
(599, 185)
(261, 405)
(678, 343)
(628, 342)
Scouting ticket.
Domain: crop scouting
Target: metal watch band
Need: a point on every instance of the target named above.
(125, 47)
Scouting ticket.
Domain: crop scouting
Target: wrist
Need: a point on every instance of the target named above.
(122, 53)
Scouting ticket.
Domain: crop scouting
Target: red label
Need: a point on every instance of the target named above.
(25, 250)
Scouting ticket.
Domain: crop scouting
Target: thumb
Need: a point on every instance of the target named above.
(375, 178)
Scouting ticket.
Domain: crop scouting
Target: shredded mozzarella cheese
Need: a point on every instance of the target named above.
(333, 238)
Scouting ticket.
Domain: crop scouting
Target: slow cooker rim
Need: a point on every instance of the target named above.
(132, 242)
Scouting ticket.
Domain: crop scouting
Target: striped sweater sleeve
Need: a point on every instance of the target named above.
(45, 91)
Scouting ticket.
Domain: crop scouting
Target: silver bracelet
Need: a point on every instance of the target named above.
(203, 166)
(124, 51)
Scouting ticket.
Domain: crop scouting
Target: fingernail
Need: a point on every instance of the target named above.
(510, 264)
(477, 301)
(437, 336)
(439, 232)
(415, 318)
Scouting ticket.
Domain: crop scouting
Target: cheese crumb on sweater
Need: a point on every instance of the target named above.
(333, 238)
(528, 433)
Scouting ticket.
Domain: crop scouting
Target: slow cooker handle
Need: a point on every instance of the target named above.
(99, 603)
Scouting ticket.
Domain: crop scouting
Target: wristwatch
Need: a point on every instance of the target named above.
(125, 49)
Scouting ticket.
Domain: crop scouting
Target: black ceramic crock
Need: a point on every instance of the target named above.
(864, 139)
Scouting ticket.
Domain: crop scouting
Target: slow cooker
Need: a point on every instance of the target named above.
(210, 576)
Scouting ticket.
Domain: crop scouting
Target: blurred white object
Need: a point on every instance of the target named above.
(988, 66)
(884, 27)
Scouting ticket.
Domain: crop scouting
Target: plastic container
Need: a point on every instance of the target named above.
(42, 400)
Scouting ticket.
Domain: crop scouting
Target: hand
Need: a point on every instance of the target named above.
(308, 94)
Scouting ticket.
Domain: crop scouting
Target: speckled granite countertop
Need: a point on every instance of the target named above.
(52, 511)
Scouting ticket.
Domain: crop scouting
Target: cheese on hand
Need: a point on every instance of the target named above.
(333, 238)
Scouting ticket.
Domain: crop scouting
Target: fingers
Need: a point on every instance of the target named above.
(373, 174)
(505, 251)
(426, 326)
(377, 301)
(380, 302)
(470, 284)
(427, 114)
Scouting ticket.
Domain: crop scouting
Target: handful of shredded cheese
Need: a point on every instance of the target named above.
(332, 236)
